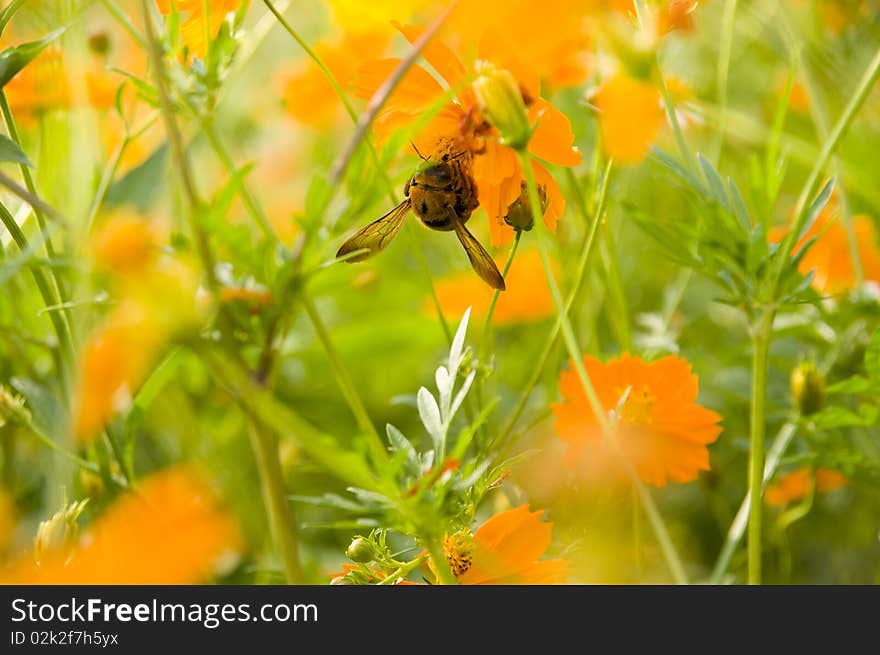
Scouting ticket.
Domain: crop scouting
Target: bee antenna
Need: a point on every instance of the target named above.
(421, 156)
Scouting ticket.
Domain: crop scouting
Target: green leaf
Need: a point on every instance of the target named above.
(12, 60)
(9, 151)
(843, 417)
(715, 184)
(739, 205)
(872, 357)
(816, 208)
(139, 187)
(854, 385)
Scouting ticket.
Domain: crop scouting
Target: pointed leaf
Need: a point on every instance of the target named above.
(457, 347)
(445, 383)
(429, 412)
(459, 397)
(816, 208)
(714, 180)
(12, 60)
(9, 151)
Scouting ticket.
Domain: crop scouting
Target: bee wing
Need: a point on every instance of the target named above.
(374, 237)
(481, 261)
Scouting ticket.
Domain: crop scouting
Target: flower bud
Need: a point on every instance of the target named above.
(58, 534)
(12, 409)
(519, 214)
(99, 43)
(342, 580)
(360, 551)
(501, 103)
(807, 388)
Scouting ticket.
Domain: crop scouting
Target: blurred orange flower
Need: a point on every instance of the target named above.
(112, 364)
(308, 96)
(40, 86)
(496, 167)
(630, 115)
(528, 297)
(155, 295)
(659, 428)
(171, 530)
(127, 244)
(193, 31)
(505, 550)
(830, 256)
(796, 485)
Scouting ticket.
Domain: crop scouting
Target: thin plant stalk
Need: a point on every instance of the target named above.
(487, 324)
(667, 547)
(738, 527)
(343, 379)
(282, 522)
(553, 336)
(757, 419)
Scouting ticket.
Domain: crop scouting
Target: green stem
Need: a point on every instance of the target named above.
(11, 128)
(820, 118)
(47, 292)
(346, 385)
(282, 522)
(757, 419)
(812, 184)
(487, 325)
(580, 276)
(740, 522)
(178, 150)
(444, 572)
(728, 23)
(250, 201)
(654, 517)
(669, 106)
(117, 13)
(403, 571)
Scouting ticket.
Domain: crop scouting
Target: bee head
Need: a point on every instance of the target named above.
(434, 174)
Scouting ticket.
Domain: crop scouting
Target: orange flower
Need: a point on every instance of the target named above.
(112, 364)
(308, 96)
(528, 298)
(630, 115)
(660, 428)
(505, 550)
(172, 530)
(496, 167)
(797, 484)
(830, 256)
(193, 32)
(126, 244)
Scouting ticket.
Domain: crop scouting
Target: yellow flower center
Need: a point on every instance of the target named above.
(638, 406)
(458, 549)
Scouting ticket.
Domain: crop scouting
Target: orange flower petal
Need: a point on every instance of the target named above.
(660, 428)
(630, 116)
(553, 138)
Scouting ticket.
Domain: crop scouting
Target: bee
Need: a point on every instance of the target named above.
(442, 194)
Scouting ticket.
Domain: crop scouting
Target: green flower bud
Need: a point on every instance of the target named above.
(519, 214)
(501, 103)
(360, 550)
(807, 388)
(99, 43)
